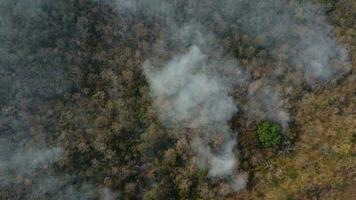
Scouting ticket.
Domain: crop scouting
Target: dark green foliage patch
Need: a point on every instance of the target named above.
(269, 134)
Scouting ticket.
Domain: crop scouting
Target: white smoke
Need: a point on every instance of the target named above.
(265, 102)
(220, 165)
(30, 165)
(192, 89)
(185, 92)
(296, 31)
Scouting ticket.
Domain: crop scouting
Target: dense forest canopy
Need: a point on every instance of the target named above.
(177, 99)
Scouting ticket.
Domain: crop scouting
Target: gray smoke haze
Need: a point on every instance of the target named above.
(194, 97)
(187, 91)
(191, 89)
(266, 103)
(296, 31)
(158, 7)
(31, 72)
(29, 166)
(21, 162)
(25, 162)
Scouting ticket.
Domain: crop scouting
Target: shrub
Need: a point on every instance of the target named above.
(269, 134)
(292, 173)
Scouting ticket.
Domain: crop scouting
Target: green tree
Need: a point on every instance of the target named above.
(269, 134)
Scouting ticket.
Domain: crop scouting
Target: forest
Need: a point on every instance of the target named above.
(178, 99)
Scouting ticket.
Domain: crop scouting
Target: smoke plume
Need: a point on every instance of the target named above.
(191, 89)
(294, 31)
(188, 91)
(184, 92)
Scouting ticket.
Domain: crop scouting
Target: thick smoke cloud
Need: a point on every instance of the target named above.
(194, 97)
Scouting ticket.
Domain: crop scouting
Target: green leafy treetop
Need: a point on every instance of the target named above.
(269, 134)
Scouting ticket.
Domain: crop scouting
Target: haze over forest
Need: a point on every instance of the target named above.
(177, 99)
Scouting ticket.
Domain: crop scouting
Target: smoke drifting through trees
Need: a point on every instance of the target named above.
(296, 31)
(190, 89)
(185, 91)
(34, 72)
